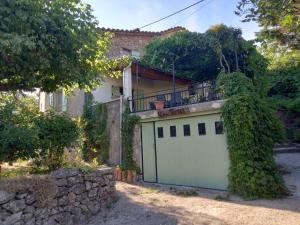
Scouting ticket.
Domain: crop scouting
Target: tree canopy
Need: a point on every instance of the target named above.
(51, 44)
(201, 56)
(280, 20)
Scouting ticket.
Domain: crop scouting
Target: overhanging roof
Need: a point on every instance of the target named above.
(156, 74)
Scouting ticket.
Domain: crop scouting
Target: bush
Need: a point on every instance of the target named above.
(18, 135)
(55, 132)
(252, 129)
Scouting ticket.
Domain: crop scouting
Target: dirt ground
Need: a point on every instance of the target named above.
(144, 204)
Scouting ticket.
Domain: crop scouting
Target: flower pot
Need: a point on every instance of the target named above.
(123, 176)
(159, 104)
(134, 176)
(129, 176)
(118, 174)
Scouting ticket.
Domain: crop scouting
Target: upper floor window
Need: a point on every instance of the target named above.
(64, 102)
(116, 91)
(51, 99)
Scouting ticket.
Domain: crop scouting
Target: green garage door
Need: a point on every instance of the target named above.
(188, 151)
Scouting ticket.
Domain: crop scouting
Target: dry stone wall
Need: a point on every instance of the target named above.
(77, 196)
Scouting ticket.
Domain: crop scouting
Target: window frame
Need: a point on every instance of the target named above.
(204, 133)
(172, 130)
(188, 127)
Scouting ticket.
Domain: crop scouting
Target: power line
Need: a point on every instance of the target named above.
(196, 3)
(200, 7)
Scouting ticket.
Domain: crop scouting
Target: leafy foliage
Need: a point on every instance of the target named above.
(128, 123)
(280, 19)
(95, 134)
(252, 128)
(55, 132)
(52, 44)
(284, 77)
(201, 56)
(18, 135)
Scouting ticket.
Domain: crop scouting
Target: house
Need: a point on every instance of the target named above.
(124, 42)
(180, 139)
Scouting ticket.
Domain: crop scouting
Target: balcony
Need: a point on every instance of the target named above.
(167, 99)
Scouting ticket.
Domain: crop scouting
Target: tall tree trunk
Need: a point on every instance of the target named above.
(228, 67)
(236, 57)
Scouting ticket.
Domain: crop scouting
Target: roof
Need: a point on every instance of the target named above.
(157, 74)
(143, 33)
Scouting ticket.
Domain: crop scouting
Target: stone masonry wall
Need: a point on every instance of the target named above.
(78, 195)
(114, 128)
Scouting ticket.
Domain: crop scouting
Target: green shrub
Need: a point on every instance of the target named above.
(94, 132)
(55, 132)
(18, 135)
(252, 129)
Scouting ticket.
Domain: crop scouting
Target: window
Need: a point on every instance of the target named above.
(116, 91)
(201, 129)
(51, 99)
(160, 132)
(219, 127)
(172, 131)
(186, 130)
(64, 102)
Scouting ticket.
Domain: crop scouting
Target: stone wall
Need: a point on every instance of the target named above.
(114, 129)
(77, 196)
(137, 146)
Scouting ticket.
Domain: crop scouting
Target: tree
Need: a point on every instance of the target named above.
(51, 44)
(280, 20)
(201, 56)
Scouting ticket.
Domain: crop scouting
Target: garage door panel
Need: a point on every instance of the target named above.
(149, 158)
(192, 160)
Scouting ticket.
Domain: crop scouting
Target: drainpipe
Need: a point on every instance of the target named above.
(121, 144)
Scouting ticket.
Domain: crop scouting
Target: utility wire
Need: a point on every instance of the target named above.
(196, 3)
(200, 7)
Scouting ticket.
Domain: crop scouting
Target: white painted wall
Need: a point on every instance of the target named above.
(104, 92)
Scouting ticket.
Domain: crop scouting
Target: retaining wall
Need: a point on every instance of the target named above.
(65, 197)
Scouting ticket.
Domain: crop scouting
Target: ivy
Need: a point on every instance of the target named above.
(128, 123)
(94, 131)
(252, 129)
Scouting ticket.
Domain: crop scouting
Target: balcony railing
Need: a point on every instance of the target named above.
(192, 95)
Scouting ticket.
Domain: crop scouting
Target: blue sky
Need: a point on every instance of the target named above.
(130, 14)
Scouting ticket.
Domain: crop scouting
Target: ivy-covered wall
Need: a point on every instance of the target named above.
(252, 129)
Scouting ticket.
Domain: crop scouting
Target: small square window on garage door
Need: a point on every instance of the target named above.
(172, 131)
(160, 132)
(219, 127)
(186, 130)
(201, 129)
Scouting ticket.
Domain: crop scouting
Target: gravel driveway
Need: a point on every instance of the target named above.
(145, 204)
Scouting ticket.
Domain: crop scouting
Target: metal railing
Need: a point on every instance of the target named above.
(192, 95)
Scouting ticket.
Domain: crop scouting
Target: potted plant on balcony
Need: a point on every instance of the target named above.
(160, 102)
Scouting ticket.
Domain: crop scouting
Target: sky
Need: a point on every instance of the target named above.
(131, 14)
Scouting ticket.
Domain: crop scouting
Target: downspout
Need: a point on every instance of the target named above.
(121, 119)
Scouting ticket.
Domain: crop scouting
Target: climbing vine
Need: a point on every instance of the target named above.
(94, 131)
(128, 123)
(252, 129)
